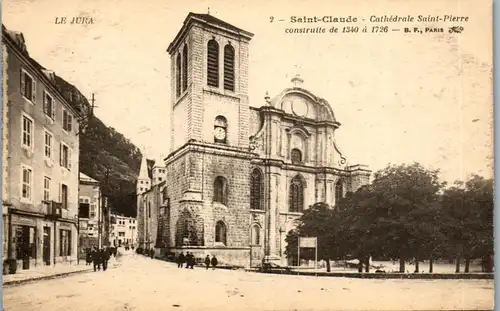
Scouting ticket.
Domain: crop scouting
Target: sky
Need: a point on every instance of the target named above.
(399, 97)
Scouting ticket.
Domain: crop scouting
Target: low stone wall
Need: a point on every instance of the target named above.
(421, 276)
(225, 256)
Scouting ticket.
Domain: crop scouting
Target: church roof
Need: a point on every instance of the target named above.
(214, 20)
(209, 20)
(144, 172)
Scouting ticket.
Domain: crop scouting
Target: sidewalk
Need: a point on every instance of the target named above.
(44, 272)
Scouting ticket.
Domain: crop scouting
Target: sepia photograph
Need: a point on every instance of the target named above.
(269, 155)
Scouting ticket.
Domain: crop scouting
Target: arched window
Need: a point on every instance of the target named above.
(229, 67)
(220, 190)
(220, 129)
(220, 232)
(184, 68)
(256, 189)
(178, 75)
(296, 156)
(213, 63)
(339, 190)
(296, 195)
(255, 234)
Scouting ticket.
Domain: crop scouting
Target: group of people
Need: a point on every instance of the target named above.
(99, 257)
(190, 260)
(212, 261)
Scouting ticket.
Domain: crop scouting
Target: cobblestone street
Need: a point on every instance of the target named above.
(140, 283)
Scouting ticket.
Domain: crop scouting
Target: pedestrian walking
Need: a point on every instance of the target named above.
(152, 253)
(95, 259)
(214, 262)
(88, 257)
(188, 259)
(105, 259)
(180, 260)
(101, 259)
(192, 261)
(207, 261)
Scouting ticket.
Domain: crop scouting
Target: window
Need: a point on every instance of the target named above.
(46, 188)
(229, 67)
(48, 105)
(220, 190)
(64, 196)
(48, 145)
(28, 87)
(296, 156)
(296, 195)
(65, 156)
(27, 132)
(178, 74)
(220, 232)
(65, 243)
(184, 68)
(213, 63)
(149, 209)
(67, 121)
(83, 210)
(339, 190)
(27, 183)
(256, 189)
(255, 234)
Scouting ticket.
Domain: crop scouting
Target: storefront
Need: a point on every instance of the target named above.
(34, 240)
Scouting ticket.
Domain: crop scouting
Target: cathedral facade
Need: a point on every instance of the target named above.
(239, 177)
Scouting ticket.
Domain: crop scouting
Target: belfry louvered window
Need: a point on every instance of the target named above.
(229, 67)
(178, 75)
(213, 63)
(184, 68)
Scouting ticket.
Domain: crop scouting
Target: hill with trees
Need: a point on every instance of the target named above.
(112, 159)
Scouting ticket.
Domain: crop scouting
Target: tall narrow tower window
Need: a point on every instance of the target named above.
(213, 63)
(256, 189)
(220, 190)
(184, 68)
(296, 195)
(178, 75)
(229, 67)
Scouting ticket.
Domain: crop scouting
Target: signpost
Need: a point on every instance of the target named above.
(308, 242)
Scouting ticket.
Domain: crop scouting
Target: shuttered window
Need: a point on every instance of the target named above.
(178, 75)
(184, 68)
(229, 68)
(213, 63)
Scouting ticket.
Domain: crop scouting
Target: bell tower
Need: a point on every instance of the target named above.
(209, 84)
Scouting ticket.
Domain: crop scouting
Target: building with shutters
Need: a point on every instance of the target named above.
(90, 215)
(238, 176)
(41, 122)
(123, 231)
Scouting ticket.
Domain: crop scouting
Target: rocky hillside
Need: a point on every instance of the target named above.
(109, 157)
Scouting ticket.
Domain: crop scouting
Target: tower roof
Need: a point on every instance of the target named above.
(206, 20)
(143, 173)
